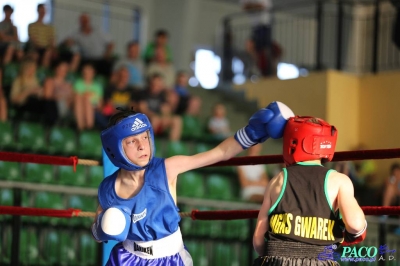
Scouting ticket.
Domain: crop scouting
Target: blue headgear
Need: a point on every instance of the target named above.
(129, 126)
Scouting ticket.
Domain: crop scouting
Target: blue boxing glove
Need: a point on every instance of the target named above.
(265, 123)
(112, 224)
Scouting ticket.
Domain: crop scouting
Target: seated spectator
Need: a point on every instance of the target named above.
(41, 38)
(161, 65)
(253, 179)
(134, 64)
(88, 100)
(161, 40)
(391, 195)
(9, 41)
(95, 47)
(118, 94)
(218, 124)
(153, 103)
(29, 97)
(62, 90)
(3, 101)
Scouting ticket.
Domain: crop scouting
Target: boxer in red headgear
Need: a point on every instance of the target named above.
(308, 210)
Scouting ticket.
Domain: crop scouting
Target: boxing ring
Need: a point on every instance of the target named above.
(248, 212)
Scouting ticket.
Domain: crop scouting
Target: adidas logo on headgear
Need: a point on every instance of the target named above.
(138, 124)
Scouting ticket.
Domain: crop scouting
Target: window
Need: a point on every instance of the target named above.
(25, 12)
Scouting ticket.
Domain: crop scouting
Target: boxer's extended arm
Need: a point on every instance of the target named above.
(353, 216)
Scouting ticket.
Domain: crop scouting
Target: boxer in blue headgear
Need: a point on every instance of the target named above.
(138, 201)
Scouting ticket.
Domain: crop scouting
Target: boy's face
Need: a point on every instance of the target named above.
(137, 149)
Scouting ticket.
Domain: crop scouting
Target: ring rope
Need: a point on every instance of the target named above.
(194, 214)
(243, 160)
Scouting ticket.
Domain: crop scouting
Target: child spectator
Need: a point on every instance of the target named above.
(62, 89)
(88, 99)
(218, 124)
(3, 101)
(154, 103)
(253, 178)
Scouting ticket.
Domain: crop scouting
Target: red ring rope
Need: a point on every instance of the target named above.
(195, 214)
(245, 160)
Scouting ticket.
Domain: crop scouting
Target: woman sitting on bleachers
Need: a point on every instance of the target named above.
(62, 90)
(28, 96)
(88, 98)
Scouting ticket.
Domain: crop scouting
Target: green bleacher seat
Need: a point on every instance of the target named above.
(191, 128)
(68, 248)
(197, 250)
(191, 184)
(6, 199)
(87, 250)
(219, 187)
(51, 201)
(6, 136)
(159, 148)
(177, 148)
(5, 244)
(29, 247)
(96, 176)
(62, 141)
(51, 247)
(89, 145)
(39, 173)
(222, 254)
(10, 171)
(67, 176)
(31, 137)
(10, 72)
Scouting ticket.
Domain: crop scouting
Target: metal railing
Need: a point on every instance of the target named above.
(352, 36)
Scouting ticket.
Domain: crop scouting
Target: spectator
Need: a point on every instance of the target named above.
(29, 97)
(94, 46)
(253, 178)
(161, 65)
(134, 64)
(259, 11)
(88, 99)
(161, 40)
(9, 41)
(392, 188)
(119, 94)
(153, 103)
(62, 89)
(41, 37)
(3, 101)
(187, 103)
(218, 124)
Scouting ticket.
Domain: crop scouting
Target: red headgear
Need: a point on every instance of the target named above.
(308, 138)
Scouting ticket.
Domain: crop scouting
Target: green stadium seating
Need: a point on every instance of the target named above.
(191, 128)
(67, 176)
(177, 148)
(51, 201)
(62, 141)
(39, 173)
(5, 244)
(51, 246)
(89, 145)
(219, 187)
(10, 72)
(222, 254)
(29, 247)
(31, 137)
(10, 171)
(87, 250)
(68, 248)
(197, 250)
(6, 136)
(191, 184)
(96, 176)
(6, 199)
(159, 147)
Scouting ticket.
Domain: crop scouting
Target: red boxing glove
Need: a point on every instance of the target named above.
(354, 239)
